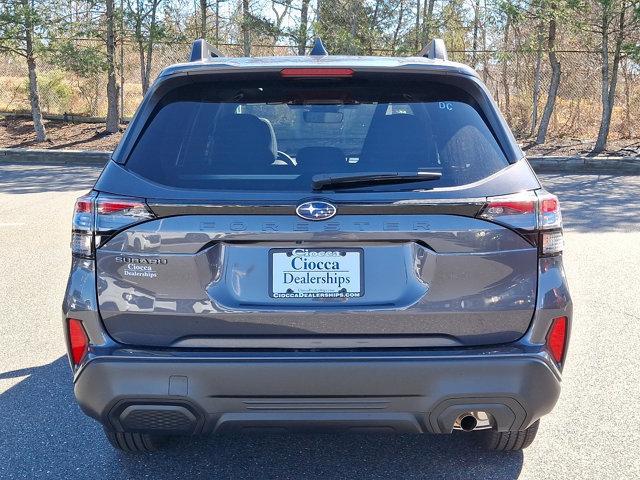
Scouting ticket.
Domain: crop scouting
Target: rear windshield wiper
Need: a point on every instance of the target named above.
(346, 180)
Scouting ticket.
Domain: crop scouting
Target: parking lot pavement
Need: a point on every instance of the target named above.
(590, 435)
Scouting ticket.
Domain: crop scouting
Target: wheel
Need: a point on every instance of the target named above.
(133, 442)
(509, 441)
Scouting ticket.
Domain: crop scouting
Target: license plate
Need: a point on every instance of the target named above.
(316, 273)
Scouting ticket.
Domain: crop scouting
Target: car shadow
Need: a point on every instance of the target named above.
(17, 178)
(44, 433)
(596, 202)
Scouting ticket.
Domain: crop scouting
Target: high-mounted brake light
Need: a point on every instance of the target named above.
(78, 341)
(557, 338)
(316, 72)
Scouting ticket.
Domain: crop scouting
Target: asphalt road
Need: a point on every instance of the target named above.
(592, 434)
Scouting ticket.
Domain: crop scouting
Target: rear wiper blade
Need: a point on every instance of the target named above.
(346, 180)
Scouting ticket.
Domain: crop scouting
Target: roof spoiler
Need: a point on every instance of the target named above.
(435, 50)
(202, 50)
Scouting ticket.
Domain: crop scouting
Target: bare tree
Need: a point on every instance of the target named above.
(610, 73)
(554, 84)
(476, 26)
(246, 28)
(427, 20)
(396, 31)
(537, 76)
(417, 44)
(203, 19)
(112, 123)
(505, 70)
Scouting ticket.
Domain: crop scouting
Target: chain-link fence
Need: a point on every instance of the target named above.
(510, 75)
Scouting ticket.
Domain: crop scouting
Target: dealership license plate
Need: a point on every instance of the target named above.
(316, 273)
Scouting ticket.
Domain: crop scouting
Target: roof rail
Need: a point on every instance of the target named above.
(318, 48)
(436, 50)
(201, 50)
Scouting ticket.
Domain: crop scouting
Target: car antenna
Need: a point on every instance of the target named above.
(435, 50)
(318, 48)
(202, 50)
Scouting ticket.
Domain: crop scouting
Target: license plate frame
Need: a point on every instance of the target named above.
(318, 254)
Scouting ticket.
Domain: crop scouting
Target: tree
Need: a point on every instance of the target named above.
(304, 27)
(617, 18)
(554, 84)
(19, 21)
(203, 19)
(142, 19)
(113, 118)
(246, 28)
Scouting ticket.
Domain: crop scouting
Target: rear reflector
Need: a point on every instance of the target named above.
(316, 72)
(78, 341)
(557, 338)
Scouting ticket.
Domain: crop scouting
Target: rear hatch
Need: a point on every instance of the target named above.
(282, 211)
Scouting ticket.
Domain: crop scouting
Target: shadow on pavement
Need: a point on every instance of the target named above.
(597, 202)
(19, 178)
(44, 434)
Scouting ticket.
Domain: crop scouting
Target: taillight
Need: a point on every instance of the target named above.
(557, 338)
(97, 217)
(78, 341)
(535, 214)
(83, 226)
(317, 72)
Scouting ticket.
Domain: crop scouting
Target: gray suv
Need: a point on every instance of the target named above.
(317, 243)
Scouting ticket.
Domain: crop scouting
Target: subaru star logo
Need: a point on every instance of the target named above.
(316, 210)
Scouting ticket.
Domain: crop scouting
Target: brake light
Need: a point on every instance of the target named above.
(557, 338)
(97, 217)
(510, 208)
(535, 214)
(106, 207)
(82, 226)
(518, 210)
(84, 204)
(549, 215)
(317, 72)
(78, 341)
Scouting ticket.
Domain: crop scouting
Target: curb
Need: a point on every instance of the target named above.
(76, 157)
(602, 165)
(541, 164)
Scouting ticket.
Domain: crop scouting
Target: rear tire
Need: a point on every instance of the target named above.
(509, 441)
(133, 442)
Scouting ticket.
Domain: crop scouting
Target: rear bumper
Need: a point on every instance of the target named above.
(390, 391)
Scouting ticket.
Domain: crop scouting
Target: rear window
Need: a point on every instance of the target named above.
(278, 134)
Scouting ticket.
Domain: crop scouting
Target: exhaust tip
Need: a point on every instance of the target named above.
(468, 422)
